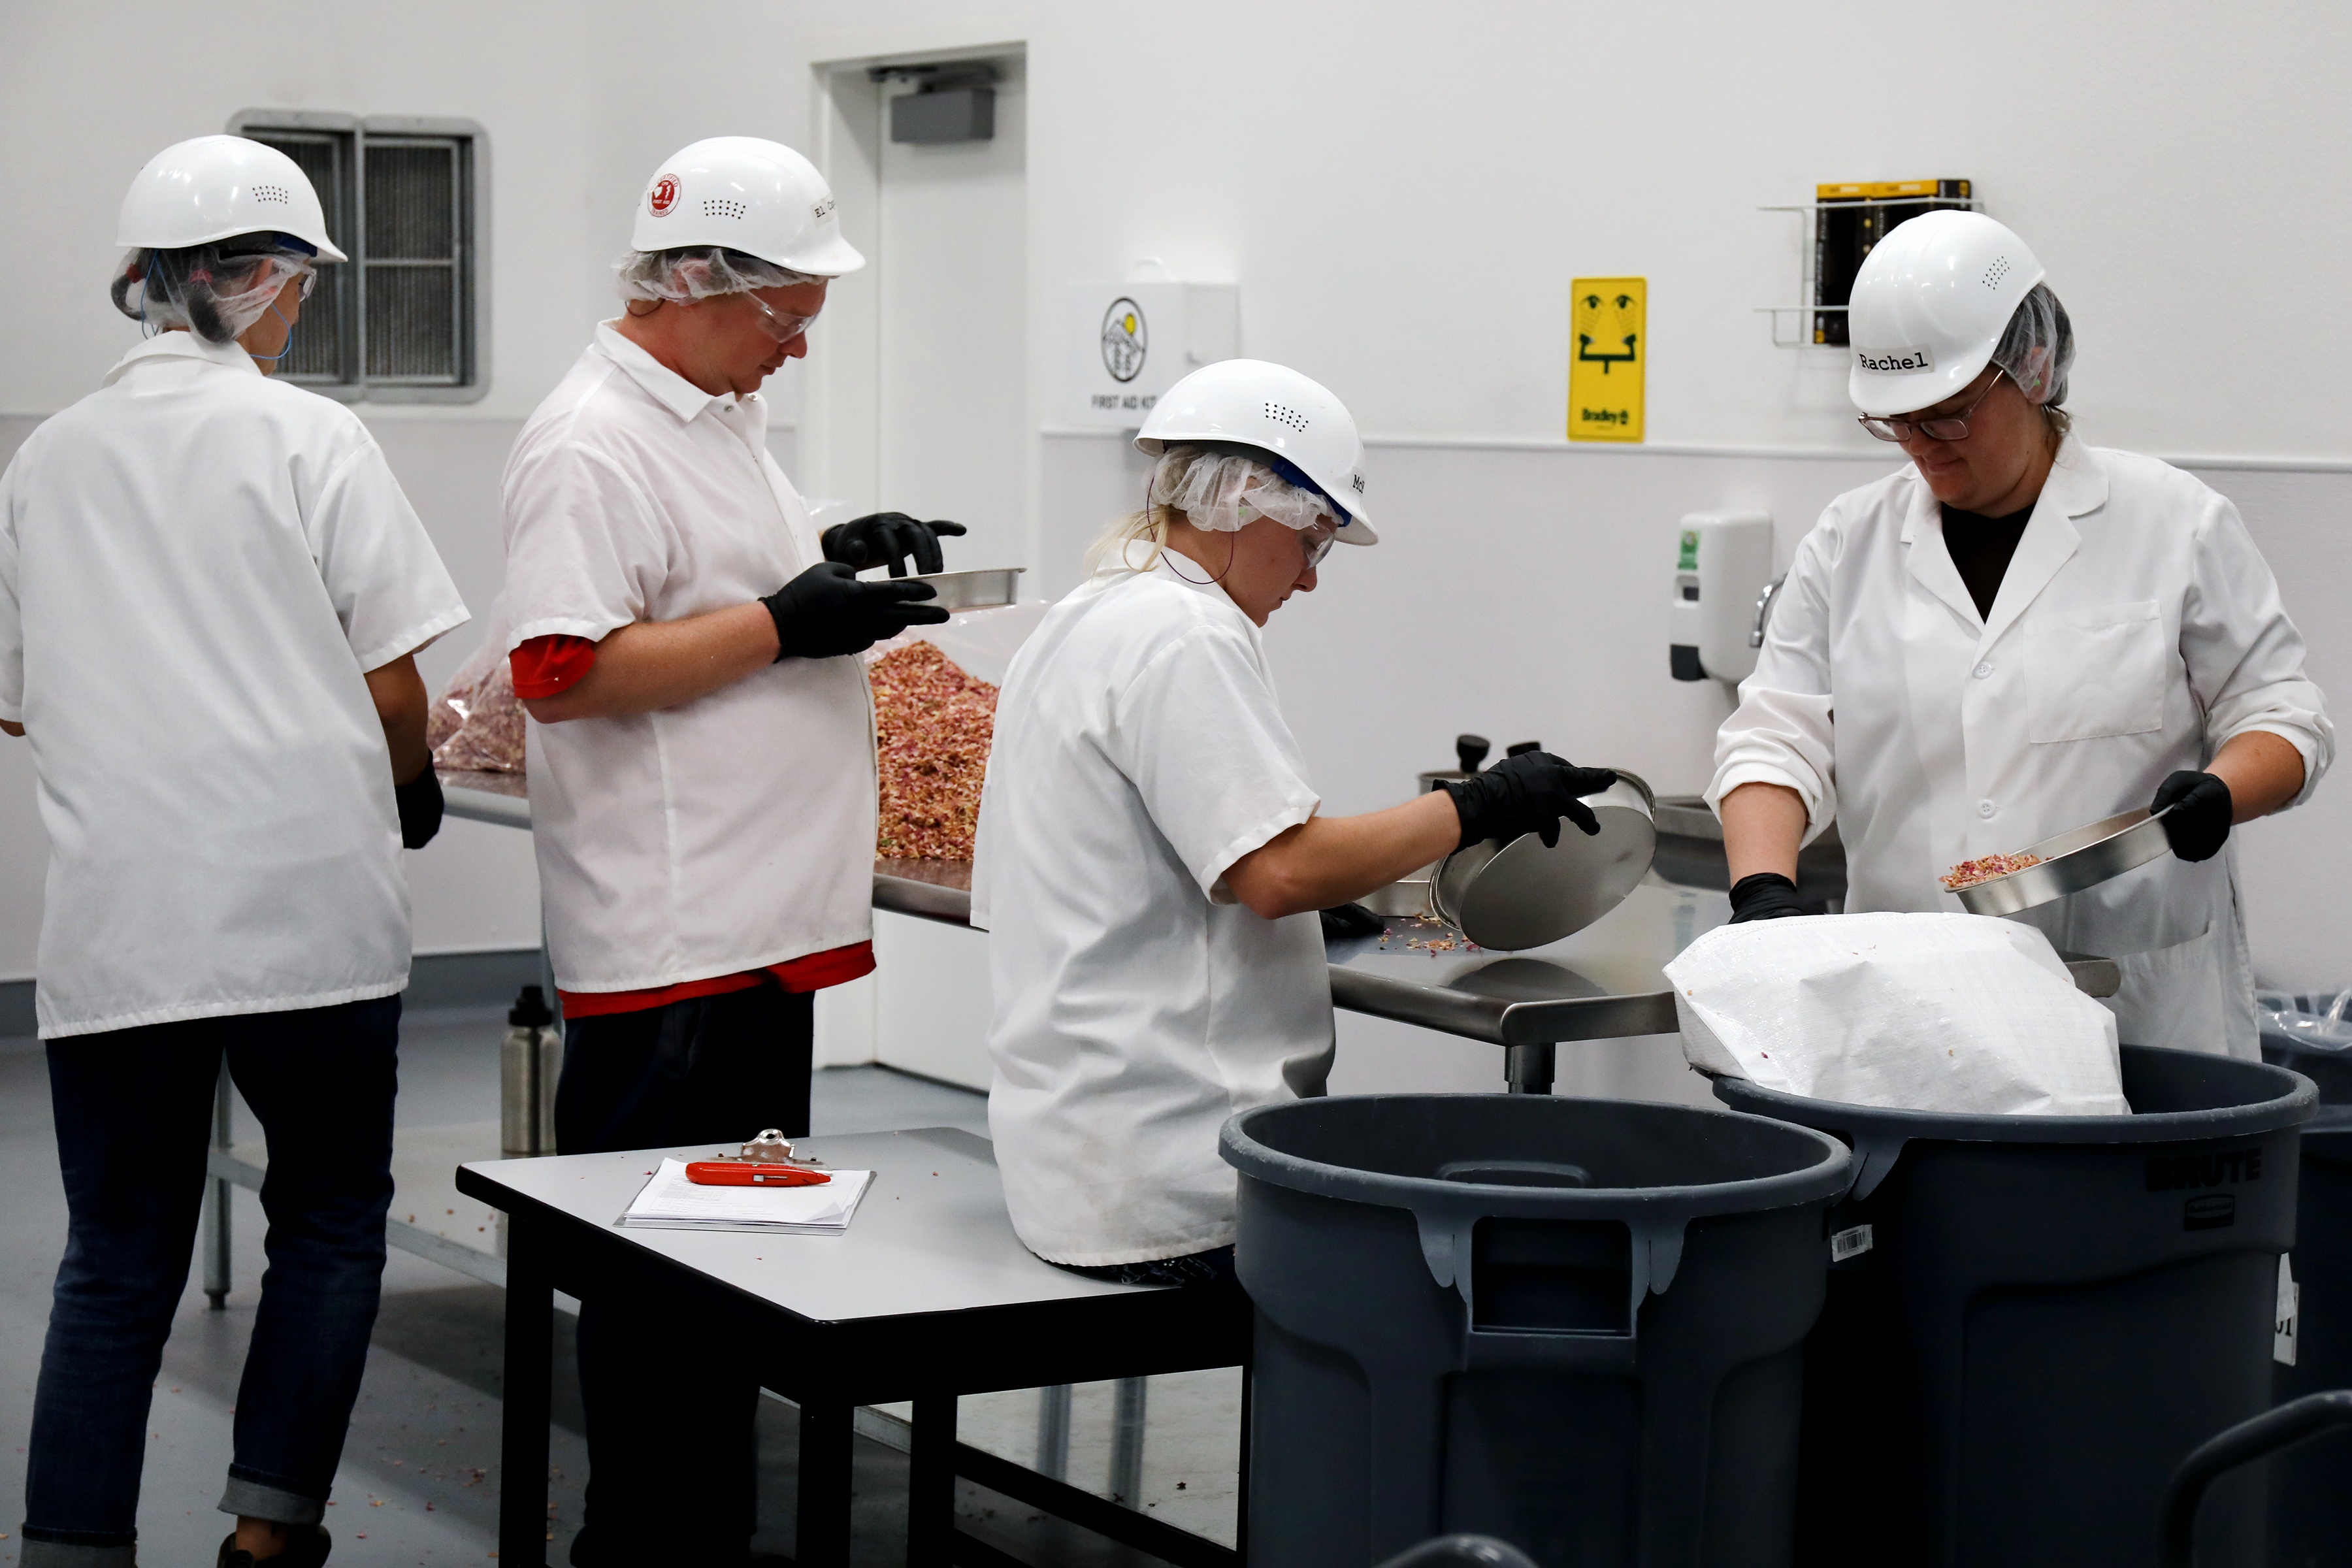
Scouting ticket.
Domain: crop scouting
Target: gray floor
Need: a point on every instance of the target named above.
(419, 1476)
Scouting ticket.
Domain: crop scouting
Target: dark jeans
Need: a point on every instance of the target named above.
(133, 1110)
(671, 1474)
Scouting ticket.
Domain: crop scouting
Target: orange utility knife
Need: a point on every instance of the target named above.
(743, 1173)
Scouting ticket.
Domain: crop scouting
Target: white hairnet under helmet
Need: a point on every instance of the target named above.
(1225, 489)
(747, 194)
(697, 272)
(1931, 303)
(2038, 349)
(1304, 436)
(218, 187)
(215, 291)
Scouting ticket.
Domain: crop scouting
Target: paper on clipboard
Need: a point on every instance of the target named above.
(669, 1202)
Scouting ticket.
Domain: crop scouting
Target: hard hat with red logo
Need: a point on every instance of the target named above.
(748, 194)
(218, 187)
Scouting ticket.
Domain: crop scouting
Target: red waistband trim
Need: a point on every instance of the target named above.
(812, 971)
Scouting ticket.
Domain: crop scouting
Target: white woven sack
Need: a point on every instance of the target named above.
(1918, 1012)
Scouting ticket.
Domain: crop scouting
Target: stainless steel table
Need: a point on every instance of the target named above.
(1602, 983)
(928, 1296)
(1605, 982)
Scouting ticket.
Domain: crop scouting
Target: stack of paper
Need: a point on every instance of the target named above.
(669, 1202)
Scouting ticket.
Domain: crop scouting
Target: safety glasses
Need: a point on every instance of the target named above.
(309, 275)
(782, 328)
(1317, 542)
(1946, 428)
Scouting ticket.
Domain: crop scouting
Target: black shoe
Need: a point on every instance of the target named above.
(301, 1551)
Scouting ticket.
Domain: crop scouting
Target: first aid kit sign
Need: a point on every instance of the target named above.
(1608, 353)
(1127, 348)
(1128, 342)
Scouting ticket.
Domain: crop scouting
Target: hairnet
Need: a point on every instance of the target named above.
(2037, 349)
(697, 272)
(1221, 491)
(214, 290)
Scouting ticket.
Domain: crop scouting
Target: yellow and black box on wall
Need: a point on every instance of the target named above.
(1608, 353)
(1849, 220)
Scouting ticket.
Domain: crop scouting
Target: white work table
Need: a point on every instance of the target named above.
(931, 1235)
(928, 1296)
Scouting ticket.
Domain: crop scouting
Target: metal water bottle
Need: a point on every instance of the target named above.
(530, 1061)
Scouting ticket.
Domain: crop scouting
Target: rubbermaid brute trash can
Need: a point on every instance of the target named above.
(1573, 1324)
(2311, 1484)
(2034, 1319)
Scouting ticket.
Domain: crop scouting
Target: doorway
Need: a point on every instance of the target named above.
(918, 400)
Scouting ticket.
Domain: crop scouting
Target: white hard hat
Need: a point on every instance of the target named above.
(748, 194)
(1930, 306)
(216, 187)
(1274, 408)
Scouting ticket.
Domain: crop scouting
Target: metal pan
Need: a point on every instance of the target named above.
(983, 590)
(2071, 862)
(1407, 897)
(1510, 896)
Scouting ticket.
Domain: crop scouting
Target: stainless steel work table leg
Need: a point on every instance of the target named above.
(827, 1439)
(523, 1418)
(930, 1481)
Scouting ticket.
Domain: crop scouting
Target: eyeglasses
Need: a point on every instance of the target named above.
(1317, 543)
(309, 275)
(1945, 428)
(782, 328)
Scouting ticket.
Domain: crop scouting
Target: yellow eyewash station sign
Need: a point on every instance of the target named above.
(1608, 350)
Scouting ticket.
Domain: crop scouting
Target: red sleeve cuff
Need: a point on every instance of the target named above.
(543, 667)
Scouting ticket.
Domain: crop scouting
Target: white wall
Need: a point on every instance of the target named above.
(1402, 196)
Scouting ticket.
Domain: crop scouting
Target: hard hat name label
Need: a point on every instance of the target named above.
(1894, 362)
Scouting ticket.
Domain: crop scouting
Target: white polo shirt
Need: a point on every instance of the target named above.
(725, 834)
(1139, 751)
(197, 566)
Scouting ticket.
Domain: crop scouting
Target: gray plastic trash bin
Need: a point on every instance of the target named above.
(1572, 1324)
(2051, 1313)
(2311, 1484)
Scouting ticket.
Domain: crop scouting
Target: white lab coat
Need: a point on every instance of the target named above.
(197, 567)
(718, 835)
(2137, 630)
(1139, 751)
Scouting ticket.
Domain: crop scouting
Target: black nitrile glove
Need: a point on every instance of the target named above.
(826, 612)
(1527, 794)
(419, 801)
(1350, 920)
(891, 536)
(1766, 896)
(2199, 823)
